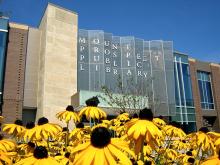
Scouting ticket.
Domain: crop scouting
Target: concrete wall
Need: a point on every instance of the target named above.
(14, 72)
(31, 70)
(57, 61)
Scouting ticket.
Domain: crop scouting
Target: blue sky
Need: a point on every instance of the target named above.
(193, 25)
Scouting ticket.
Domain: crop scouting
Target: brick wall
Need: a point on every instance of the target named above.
(196, 95)
(215, 77)
(14, 73)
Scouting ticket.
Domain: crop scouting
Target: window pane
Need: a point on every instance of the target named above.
(201, 91)
(209, 92)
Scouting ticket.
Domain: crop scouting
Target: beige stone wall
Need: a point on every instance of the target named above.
(31, 70)
(58, 61)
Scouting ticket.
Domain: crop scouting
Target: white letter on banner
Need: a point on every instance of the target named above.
(128, 62)
(81, 48)
(96, 41)
(96, 49)
(139, 73)
(82, 40)
(138, 56)
(114, 46)
(139, 64)
(96, 67)
(114, 63)
(108, 69)
(114, 54)
(145, 74)
(107, 43)
(82, 57)
(115, 71)
(128, 54)
(96, 58)
(107, 60)
(81, 67)
(129, 72)
(107, 52)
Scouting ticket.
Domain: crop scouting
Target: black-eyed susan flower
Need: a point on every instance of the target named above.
(4, 159)
(6, 145)
(123, 117)
(68, 115)
(143, 129)
(14, 129)
(43, 130)
(214, 160)
(102, 149)
(40, 157)
(27, 148)
(159, 122)
(172, 132)
(91, 111)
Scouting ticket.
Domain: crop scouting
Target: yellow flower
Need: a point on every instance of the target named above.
(40, 157)
(203, 141)
(68, 114)
(180, 145)
(28, 148)
(123, 117)
(14, 129)
(91, 111)
(214, 160)
(4, 158)
(7, 145)
(159, 122)
(140, 130)
(102, 150)
(43, 130)
(169, 156)
(172, 131)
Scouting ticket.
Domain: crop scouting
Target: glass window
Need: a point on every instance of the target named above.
(205, 89)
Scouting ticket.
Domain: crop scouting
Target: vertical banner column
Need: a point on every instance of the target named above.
(147, 76)
(128, 63)
(169, 71)
(160, 99)
(116, 63)
(139, 65)
(83, 60)
(107, 59)
(96, 60)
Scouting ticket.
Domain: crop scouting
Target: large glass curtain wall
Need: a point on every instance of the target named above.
(185, 111)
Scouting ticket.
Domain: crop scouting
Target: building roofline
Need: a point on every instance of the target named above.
(59, 7)
(18, 25)
(49, 3)
(181, 53)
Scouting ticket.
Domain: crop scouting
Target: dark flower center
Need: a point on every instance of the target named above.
(146, 114)
(80, 125)
(40, 152)
(30, 125)
(204, 129)
(67, 155)
(189, 153)
(70, 108)
(100, 137)
(65, 129)
(1, 137)
(94, 101)
(30, 144)
(42, 120)
(18, 122)
(191, 160)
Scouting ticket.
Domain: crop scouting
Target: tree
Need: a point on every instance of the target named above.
(129, 96)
